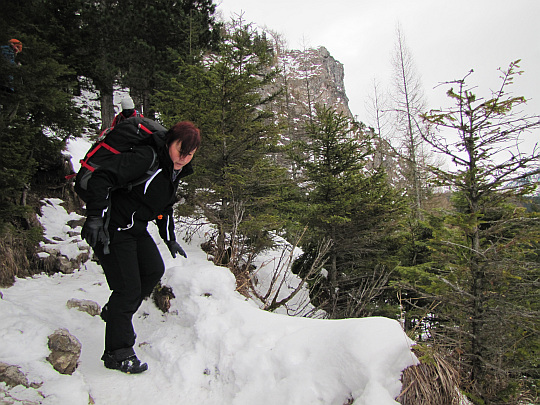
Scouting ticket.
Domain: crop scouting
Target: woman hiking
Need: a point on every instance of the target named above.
(118, 220)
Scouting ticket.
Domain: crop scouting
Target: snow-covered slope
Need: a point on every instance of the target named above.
(213, 347)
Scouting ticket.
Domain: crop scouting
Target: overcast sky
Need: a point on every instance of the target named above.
(445, 38)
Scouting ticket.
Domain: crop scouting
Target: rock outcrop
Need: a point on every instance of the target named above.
(313, 76)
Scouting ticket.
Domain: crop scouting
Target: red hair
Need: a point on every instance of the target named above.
(187, 133)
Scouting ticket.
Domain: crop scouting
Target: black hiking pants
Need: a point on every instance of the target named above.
(132, 268)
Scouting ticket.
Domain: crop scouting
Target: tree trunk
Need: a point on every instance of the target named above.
(475, 265)
(147, 111)
(409, 105)
(477, 308)
(107, 107)
(24, 194)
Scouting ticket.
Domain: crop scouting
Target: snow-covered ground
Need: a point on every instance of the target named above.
(214, 346)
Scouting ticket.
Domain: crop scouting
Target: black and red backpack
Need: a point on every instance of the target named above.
(126, 135)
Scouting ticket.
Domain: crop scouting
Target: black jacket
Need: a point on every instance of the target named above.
(126, 209)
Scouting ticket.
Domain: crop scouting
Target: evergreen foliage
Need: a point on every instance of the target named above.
(468, 274)
(39, 116)
(129, 43)
(156, 33)
(480, 287)
(349, 205)
(240, 188)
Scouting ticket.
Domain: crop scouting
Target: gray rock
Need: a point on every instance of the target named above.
(90, 307)
(65, 351)
(66, 266)
(13, 376)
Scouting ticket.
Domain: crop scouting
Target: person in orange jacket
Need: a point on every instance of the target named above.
(9, 52)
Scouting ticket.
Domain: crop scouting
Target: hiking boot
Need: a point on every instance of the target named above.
(130, 365)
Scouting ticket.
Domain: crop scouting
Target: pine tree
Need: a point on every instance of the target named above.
(157, 33)
(39, 116)
(239, 185)
(99, 50)
(408, 105)
(482, 278)
(350, 206)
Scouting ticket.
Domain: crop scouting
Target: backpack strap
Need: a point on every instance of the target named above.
(84, 162)
(143, 128)
(149, 173)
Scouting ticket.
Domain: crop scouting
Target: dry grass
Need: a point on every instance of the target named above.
(433, 382)
(14, 262)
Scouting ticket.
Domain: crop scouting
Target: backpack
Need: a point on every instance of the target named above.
(126, 135)
(121, 117)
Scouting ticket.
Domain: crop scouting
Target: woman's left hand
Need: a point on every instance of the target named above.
(175, 248)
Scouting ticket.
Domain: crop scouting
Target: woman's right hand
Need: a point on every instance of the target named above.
(93, 231)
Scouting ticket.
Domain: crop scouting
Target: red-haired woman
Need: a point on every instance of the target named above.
(134, 265)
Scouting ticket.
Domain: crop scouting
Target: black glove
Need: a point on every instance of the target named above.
(175, 248)
(93, 232)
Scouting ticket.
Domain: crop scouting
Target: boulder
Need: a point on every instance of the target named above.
(65, 351)
(90, 307)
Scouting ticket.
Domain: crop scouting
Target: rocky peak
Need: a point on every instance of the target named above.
(313, 76)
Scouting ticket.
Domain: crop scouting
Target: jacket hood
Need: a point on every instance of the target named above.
(162, 150)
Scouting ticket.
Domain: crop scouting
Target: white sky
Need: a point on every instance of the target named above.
(445, 38)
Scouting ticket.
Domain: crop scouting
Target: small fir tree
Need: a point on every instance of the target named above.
(481, 281)
(352, 207)
(239, 186)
